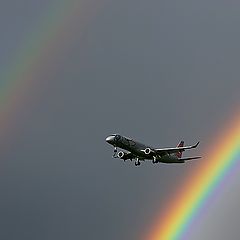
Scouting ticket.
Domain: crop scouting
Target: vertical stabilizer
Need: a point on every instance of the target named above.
(179, 154)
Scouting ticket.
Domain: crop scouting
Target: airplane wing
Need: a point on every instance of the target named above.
(174, 150)
(189, 158)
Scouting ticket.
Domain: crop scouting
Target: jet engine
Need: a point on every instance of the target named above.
(147, 151)
(121, 154)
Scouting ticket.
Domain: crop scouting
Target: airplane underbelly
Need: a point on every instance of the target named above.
(170, 159)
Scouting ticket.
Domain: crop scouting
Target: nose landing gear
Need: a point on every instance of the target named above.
(115, 152)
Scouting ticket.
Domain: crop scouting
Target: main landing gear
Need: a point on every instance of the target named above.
(154, 160)
(137, 162)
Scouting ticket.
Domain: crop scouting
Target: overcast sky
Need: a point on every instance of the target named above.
(157, 71)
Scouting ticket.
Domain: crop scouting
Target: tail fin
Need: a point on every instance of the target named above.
(179, 154)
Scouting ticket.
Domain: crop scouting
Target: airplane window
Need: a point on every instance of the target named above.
(117, 137)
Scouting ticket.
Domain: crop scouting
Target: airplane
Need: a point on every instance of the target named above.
(141, 152)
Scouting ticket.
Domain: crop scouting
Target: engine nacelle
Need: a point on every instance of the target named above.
(120, 154)
(147, 151)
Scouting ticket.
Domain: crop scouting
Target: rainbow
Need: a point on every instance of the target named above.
(200, 187)
(44, 44)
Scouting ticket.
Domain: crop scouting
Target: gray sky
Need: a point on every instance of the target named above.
(158, 71)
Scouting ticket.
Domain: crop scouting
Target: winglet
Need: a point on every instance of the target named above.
(196, 145)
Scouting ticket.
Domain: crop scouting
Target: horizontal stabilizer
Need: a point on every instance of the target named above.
(189, 158)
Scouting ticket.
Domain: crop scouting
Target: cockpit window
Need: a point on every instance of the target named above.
(117, 137)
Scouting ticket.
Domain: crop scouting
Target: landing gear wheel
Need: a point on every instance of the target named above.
(137, 163)
(154, 160)
(115, 152)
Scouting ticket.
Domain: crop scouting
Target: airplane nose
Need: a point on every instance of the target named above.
(110, 139)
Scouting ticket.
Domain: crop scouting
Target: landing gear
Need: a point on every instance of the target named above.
(154, 160)
(137, 162)
(115, 152)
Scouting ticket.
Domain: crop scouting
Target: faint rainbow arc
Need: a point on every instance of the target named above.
(48, 37)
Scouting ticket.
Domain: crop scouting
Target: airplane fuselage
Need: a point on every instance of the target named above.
(137, 149)
(131, 145)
